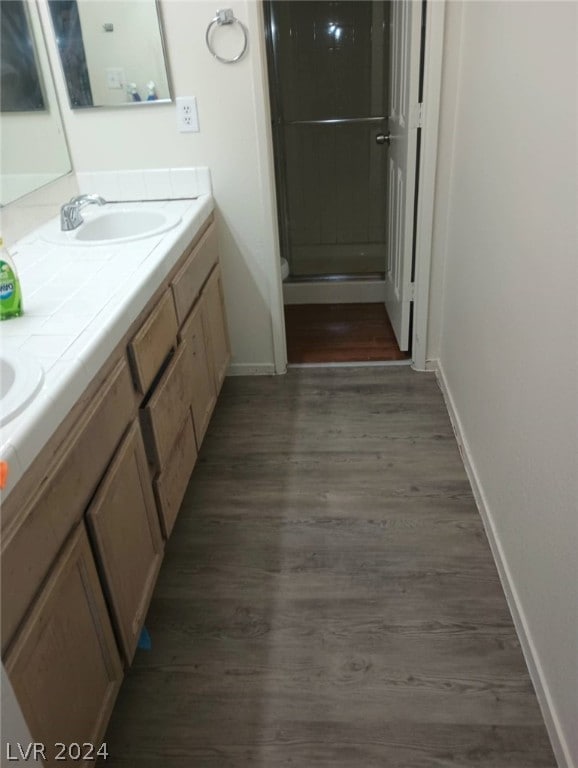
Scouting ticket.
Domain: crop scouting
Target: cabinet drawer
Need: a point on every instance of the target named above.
(152, 344)
(190, 278)
(163, 415)
(171, 484)
(124, 526)
(64, 665)
(204, 395)
(62, 497)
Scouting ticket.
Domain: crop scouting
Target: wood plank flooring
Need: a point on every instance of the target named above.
(328, 598)
(339, 333)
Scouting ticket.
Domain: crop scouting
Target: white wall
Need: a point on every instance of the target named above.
(233, 142)
(508, 342)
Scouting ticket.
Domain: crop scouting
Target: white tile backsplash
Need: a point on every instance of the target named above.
(131, 185)
(204, 181)
(158, 184)
(147, 183)
(103, 183)
(184, 182)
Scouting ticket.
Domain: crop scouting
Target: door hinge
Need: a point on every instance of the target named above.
(411, 292)
(417, 116)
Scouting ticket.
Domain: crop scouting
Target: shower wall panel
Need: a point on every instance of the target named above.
(330, 64)
(336, 192)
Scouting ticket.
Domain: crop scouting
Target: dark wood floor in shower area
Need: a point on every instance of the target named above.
(339, 333)
(328, 598)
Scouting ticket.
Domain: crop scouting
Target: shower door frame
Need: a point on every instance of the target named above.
(433, 59)
(368, 286)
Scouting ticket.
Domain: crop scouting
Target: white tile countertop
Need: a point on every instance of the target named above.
(78, 304)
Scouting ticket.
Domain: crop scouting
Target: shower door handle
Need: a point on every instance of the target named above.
(382, 138)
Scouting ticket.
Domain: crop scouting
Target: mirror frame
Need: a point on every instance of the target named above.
(128, 104)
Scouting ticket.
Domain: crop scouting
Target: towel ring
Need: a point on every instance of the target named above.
(226, 16)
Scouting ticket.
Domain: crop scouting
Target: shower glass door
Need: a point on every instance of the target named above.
(328, 74)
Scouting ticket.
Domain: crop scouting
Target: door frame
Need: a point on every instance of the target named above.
(433, 59)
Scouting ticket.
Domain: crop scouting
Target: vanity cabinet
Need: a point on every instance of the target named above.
(61, 495)
(153, 342)
(124, 527)
(192, 275)
(204, 393)
(217, 338)
(164, 413)
(81, 553)
(198, 294)
(64, 666)
(175, 413)
(170, 484)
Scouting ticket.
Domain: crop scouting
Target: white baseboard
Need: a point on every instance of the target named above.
(559, 745)
(251, 369)
(334, 292)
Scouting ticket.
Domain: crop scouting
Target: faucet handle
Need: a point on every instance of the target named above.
(70, 217)
(84, 199)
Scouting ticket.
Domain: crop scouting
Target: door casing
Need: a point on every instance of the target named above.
(433, 57)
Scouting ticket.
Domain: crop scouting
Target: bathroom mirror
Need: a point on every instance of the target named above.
(33, 148)
(112, 52)
(22, 88)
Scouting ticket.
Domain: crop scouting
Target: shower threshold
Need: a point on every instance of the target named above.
(334, 289)
(354, 277)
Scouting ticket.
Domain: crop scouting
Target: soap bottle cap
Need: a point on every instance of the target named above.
(152, 91)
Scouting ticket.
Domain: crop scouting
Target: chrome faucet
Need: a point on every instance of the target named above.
(70, 217)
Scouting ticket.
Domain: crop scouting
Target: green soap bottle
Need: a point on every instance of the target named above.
(10, 293)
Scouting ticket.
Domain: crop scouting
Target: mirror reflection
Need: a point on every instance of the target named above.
(21, 82)
(112, 51)
(33, 148)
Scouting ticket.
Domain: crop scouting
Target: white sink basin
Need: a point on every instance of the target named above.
(111, 225)
(21, 378)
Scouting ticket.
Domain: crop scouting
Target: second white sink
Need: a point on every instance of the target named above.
(21, 378)
(109, 226)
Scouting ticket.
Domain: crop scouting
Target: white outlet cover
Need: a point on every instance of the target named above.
(114, 78)
(187, 114)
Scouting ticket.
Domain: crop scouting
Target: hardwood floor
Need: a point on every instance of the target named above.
(328, 597)
(343, 333)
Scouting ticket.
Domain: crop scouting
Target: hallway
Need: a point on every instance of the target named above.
(328, 596)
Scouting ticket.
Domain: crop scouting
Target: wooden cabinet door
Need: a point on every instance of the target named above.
(154, 340)
(64, 664)
(216, 327)
(124, 525)
(29, 550)
(171, 483)
(203, 392)
(190, 278)
(163, 415)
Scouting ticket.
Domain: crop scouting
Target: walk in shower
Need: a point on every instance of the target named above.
(328, 86)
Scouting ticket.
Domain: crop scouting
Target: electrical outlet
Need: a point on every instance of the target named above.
(187, 115)
(115, 78)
